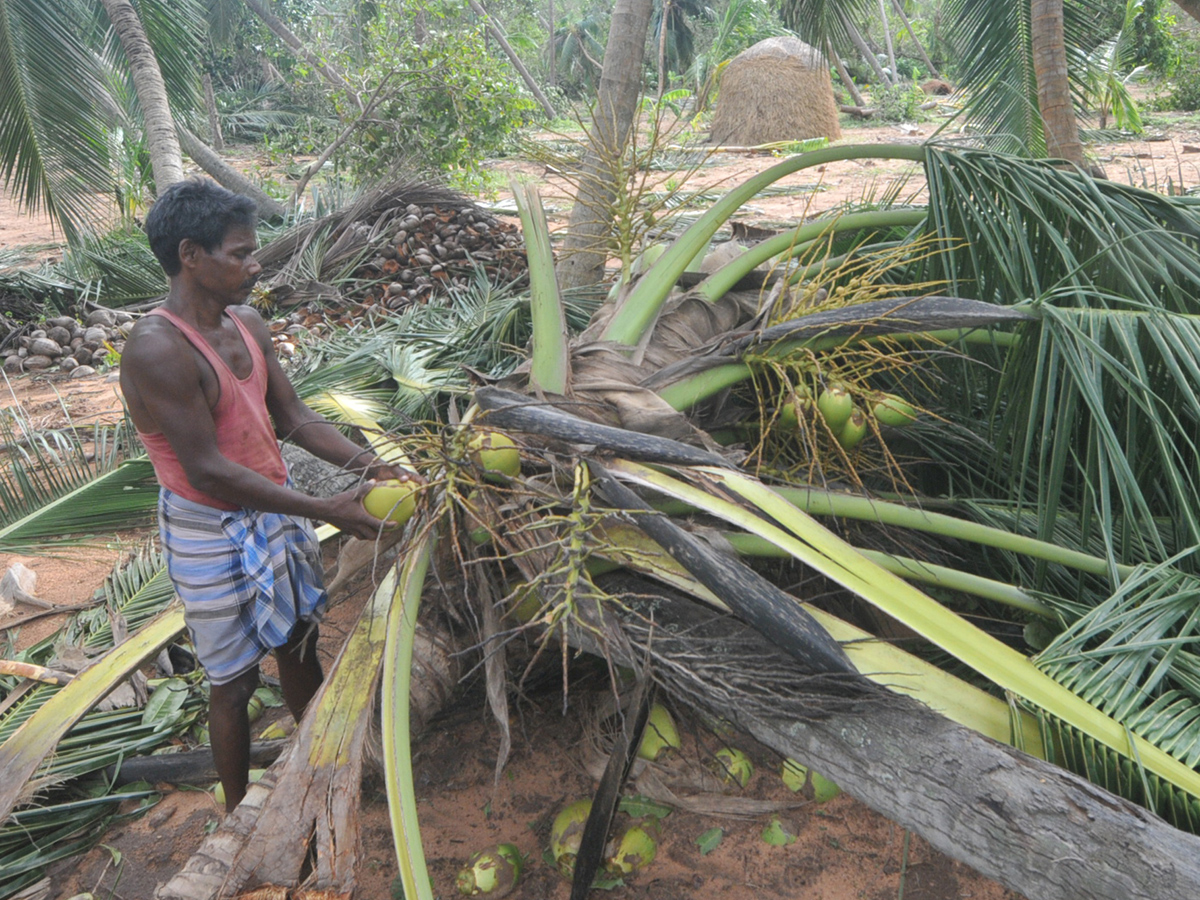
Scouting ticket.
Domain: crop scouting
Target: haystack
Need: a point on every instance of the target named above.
(777, 90)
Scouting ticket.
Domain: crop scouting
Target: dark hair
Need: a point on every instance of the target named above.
(198, 209)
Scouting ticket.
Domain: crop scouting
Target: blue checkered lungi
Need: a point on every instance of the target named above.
(246, 578)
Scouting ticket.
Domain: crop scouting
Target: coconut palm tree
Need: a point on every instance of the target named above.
(158, 121)
(1031, 332)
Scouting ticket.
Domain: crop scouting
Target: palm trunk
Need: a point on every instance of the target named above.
(1191, 7)
(1054, 93)
(214, 119)
(553, 61)
(866, 53)
(855, 94)
(887, 38)
(547, 108)
(325, 69)
(899, 7)
(228, 177)
(165, 156)
(662, 48)
(620, 82)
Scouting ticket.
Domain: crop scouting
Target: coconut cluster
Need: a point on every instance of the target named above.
(66, 344)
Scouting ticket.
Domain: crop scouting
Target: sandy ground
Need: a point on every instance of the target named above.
(844, 851)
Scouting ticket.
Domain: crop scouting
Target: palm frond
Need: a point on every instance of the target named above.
(1016, 230)
(53, 116)
(54, 486)
(996, 70)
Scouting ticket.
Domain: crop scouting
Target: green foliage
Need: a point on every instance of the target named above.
(1153, 41)
(1185, 94)
(453, 104)
(901, 103)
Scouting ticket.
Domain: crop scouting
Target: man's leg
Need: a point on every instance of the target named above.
(229, 731)
(299, 669)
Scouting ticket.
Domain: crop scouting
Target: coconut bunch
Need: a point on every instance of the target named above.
(66, 344)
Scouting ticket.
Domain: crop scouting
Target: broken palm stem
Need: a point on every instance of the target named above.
(640, 308)
(756, 600)
(34, 672)
(397, 738)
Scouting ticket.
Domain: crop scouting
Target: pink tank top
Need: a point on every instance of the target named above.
(244, 431)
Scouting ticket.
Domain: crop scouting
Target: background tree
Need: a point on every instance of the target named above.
(611, 122)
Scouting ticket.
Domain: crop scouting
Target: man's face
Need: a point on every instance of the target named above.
(230, 270)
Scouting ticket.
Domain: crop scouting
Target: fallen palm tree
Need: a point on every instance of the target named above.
(1038, 328)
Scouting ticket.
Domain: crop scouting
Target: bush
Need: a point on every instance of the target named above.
(901, 103)
(453, 105)
(1185, 94)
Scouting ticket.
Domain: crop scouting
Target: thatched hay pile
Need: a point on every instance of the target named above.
(777, 90)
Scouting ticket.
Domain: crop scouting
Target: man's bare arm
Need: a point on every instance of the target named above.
(297, 422)
(159, 367)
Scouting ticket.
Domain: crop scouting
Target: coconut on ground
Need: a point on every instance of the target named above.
(777, 90)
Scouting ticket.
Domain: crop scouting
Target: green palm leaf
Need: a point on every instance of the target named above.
(54, 112)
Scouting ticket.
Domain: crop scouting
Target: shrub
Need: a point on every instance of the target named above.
(452, 104)
(901, 103)
(1185, 94)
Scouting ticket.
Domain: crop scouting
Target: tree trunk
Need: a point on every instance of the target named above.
(620, 82)
(165, 156)
(1054, 93)
(1035, 828)
(866, 53)
(662, 48)
(553, 61)
(855, 94)
(214, 119)
(887, 39)
(514, 59)
(1191, 7)
(228, 177)
(899, 7)
(326, 70)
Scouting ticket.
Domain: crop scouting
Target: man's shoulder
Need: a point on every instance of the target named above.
(247, 314)
(154, 339)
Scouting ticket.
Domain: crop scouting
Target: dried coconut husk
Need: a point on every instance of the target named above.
(777, 90)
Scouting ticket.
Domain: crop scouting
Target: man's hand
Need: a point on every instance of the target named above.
(345, 512)
(381, 471)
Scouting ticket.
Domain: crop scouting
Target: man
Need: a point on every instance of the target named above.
(203, 386)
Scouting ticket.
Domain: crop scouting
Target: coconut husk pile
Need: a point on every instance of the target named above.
(402, 243)
(777, 90)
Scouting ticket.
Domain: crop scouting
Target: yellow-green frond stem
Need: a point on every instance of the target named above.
(405, 591)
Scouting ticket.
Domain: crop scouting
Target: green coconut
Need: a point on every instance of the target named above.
(219, 790)
(853, 431)
(893, 411)
(566, 834)
(796, 776)
(496, 453)
(392, 500)
(636, 849)
(734, 766)
(494, 871)
(835, 405)
(660, 735)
